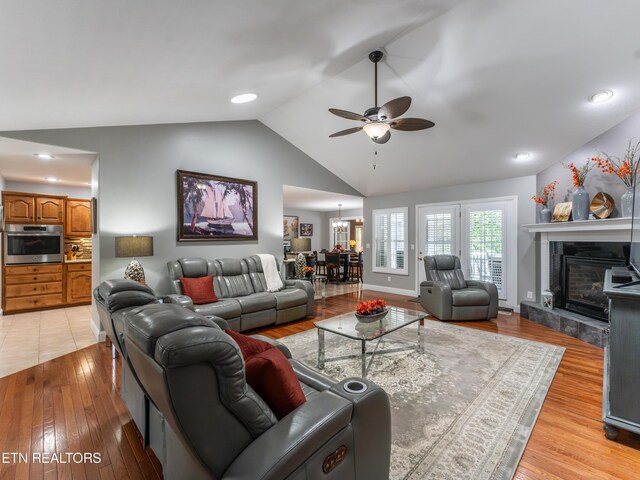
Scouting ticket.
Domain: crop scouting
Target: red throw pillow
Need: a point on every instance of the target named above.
(200, 289)
(270, 374)
(248, 346)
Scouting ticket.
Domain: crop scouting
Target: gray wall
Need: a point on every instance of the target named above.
(48, 188)
(137, 182)
(522, 187)
(317, 219)
(613, 142)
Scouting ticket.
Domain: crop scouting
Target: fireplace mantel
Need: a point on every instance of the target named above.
(608, 224)
(607, 230)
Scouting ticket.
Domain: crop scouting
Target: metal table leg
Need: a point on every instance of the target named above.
(320, 348)
(363, 356)
(420, 344)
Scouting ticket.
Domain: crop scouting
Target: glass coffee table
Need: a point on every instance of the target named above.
(348, 326)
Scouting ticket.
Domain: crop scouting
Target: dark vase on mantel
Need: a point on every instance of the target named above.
(580, 204)
(544, 216)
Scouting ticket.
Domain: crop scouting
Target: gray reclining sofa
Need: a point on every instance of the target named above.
(241, 288)
(186, 378)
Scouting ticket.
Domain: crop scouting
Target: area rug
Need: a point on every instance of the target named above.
(464, 409)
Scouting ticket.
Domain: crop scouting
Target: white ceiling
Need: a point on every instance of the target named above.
(18, 163)
(496, 76)
(317, 200)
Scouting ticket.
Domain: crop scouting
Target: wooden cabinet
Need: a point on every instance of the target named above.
(621, 381)
(26, 208)
(49, 210)
(77, 221)
(78, 283)
(30, 287)
(18, 208)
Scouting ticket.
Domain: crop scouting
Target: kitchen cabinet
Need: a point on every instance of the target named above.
(78, 276)
(77, 221)
(18, 208)
(27, 208)
(49, 210)
(30, 287)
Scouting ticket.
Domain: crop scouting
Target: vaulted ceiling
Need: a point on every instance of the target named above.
(496, 76)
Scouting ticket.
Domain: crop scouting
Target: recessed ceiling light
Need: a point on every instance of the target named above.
(44, 156)
(244, 98)
(523, 156)
(51, 179)
(600, 97)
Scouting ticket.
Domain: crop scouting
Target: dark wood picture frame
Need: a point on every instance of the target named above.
(306, 230)
(200, 194)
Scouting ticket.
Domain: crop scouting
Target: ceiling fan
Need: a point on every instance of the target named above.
(377, 122)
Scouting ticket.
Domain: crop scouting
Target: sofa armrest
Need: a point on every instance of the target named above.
(287, 445)
(307, 287)
(436, 298)
(492, 290)
(181, 300)
(372, 439)
(280, 346)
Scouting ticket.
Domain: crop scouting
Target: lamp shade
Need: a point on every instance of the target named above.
(300, 244)
(134, 246)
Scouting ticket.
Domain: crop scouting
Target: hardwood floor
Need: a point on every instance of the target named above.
(72, 404)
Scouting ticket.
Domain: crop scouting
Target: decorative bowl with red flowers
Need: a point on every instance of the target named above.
(371, 310)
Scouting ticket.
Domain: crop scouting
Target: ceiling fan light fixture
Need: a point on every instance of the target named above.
(376, 129)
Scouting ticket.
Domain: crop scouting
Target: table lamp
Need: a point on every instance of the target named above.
(134, 246)
(300, 245)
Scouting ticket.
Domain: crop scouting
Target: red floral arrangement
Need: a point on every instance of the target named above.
(308, 269)
(580, 174)
(626, 168)
(339, 248)
(371, 307)
(547, 194)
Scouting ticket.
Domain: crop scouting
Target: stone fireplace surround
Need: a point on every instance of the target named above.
(574, 324)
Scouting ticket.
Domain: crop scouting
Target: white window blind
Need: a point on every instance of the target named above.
(390, 230)
(485, 239)
(438, 234)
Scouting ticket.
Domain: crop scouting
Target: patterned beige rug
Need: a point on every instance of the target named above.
(462, 410)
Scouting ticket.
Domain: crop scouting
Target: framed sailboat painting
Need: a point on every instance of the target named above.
(212, 208)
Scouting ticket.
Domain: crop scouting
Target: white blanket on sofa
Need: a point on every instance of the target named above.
(271, 273)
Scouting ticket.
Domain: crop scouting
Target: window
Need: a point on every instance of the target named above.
(390, 232)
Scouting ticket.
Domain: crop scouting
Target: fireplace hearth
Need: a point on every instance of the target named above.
(577, 274)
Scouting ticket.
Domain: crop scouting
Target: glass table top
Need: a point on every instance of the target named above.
(348, 325)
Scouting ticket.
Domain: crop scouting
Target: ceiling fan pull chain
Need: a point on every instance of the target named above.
(375, 156)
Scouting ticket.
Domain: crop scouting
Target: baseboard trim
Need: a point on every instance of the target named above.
(396, 291)
(100, 335)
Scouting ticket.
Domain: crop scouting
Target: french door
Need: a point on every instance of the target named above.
(481, 234)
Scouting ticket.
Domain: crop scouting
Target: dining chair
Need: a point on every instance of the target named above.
(333, 266)
(355, 267)
(321, 264)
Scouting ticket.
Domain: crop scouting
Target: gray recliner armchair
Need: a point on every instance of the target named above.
(448, 296)
(216, 426)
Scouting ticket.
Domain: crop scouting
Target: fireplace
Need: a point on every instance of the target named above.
(577, 274)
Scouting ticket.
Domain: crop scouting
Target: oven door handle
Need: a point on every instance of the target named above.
(32, 234)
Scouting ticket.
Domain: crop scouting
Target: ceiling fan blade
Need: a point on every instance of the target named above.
(348, 115)
(411, 124)
(384, 138)
(394, 108)
(345, 132)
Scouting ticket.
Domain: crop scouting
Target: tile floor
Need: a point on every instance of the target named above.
(28, 339)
